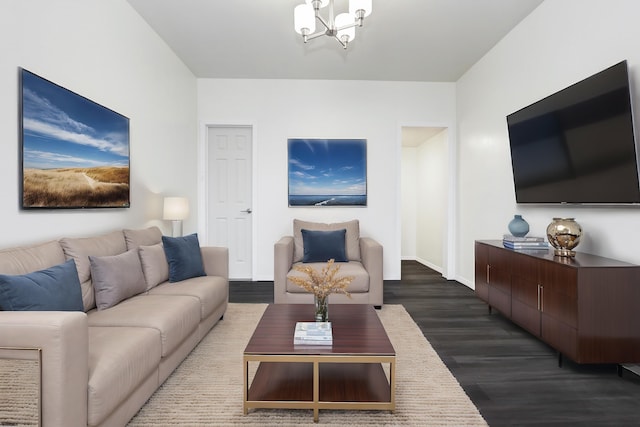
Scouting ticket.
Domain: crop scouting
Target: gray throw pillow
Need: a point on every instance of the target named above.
(116, 278)
(154, 265)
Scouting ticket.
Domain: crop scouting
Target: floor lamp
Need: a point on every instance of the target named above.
(175, 210)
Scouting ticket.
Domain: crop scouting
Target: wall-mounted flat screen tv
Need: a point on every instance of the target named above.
(75, 152)
(577, 146)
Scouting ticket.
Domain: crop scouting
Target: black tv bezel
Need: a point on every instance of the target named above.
(563, 93)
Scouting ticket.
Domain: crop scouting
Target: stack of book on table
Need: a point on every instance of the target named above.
(313, 333)
(527, 242)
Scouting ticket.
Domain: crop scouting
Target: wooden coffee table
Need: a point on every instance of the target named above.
(347, 375)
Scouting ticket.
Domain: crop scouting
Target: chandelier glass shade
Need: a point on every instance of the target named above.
(341, 27)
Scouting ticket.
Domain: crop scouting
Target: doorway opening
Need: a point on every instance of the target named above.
(426, 196)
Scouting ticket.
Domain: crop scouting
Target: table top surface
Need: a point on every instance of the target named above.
(357, 330)
(579, 260)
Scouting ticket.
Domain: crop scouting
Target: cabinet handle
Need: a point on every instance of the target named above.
(541, 297)
(488, 267)
(540, 290)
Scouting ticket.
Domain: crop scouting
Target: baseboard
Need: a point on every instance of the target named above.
(429, 264)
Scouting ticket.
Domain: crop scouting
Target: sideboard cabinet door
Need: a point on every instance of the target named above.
(482, 271)
(500, 264)
(526, 293)
(559, 307)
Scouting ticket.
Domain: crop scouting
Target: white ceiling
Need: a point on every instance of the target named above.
(402, 40)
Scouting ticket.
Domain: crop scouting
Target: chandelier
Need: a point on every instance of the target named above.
(341, 27)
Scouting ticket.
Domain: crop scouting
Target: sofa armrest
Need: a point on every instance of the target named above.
(371, 254)
(216, 261)
(63, 338)
(282, 263)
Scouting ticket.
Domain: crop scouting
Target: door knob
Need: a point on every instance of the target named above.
(248, 210)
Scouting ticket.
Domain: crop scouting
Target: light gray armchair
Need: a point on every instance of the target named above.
(364, 263)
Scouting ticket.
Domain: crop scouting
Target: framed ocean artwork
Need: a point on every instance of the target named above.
(327, 172)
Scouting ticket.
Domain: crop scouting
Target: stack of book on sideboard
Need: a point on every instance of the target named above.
(524, 243)
(313, 333)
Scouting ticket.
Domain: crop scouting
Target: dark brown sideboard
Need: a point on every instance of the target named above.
(586, 307)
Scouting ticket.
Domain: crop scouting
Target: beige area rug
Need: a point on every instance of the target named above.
(206, 389)
(19, 392)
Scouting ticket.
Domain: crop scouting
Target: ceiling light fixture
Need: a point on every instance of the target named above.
(341, 27)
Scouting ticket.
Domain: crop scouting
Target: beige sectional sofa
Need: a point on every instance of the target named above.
(101, 364)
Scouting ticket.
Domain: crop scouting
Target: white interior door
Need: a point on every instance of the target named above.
(229, 195)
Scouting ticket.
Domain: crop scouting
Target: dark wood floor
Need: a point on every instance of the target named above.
(513, 378)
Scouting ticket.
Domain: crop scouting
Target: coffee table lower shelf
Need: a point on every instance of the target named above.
(320, 382)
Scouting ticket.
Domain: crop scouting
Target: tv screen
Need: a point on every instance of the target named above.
(75, 152)
(577, 145)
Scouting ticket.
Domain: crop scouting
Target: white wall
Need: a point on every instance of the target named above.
(104, 51)
(282, 109)
(433, 190)
(409, 195)
(560, 43)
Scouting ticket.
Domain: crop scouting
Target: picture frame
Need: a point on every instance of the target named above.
(327, 172)
(74, 152)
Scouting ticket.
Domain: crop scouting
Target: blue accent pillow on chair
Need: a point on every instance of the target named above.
(184, 257)
(56, 288)
(321, 246)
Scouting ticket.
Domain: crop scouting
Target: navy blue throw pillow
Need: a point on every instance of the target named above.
(183, 256)
(321, 246)
(56, 288)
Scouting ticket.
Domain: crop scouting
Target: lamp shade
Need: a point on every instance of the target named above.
(342, 20)
(355, 5)
(304, 17)
(175, 208)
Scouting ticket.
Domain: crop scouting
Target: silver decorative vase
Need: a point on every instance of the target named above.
(564, 235)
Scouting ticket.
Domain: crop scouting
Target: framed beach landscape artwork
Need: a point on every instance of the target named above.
(327, 172)
(75, 153)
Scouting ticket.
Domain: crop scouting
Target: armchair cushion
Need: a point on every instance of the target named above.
(321, 246)
(360, 283)
(352, 237)
(56, 288)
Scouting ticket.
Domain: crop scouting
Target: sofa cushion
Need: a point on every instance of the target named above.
(184, 257)
(79, 250)
(360, 283)
(321, 246)
(175, 317)
(56, 288)
(26, 259)
(116, 278)
(144, 237)
(352, 237)
(154, 265)
(211, 291)
(117, 366)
